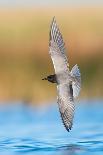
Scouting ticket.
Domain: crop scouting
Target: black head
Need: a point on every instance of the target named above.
(51, 78)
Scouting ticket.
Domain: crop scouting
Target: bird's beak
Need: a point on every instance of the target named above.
(44, 79)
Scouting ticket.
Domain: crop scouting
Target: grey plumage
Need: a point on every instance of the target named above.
(57, 49)
(67, 81)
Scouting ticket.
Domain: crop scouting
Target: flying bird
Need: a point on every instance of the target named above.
(68, 82)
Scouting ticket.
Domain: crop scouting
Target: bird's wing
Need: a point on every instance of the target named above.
(66, 104)
(57, 49)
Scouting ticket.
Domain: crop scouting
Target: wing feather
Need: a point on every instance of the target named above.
(66, 105)
(64, 87)
(57, 49)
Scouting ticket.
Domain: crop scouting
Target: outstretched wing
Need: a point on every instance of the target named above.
(57, 49)
(60, 62)
(66, 104)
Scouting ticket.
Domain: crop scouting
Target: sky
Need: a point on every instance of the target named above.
(57, 3)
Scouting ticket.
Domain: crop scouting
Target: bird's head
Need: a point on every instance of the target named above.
(50, 78)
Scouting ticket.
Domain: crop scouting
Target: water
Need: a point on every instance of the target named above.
(33, 131)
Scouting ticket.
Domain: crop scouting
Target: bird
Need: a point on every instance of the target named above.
(68, 82)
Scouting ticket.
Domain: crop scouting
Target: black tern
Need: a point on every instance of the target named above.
(68, 82)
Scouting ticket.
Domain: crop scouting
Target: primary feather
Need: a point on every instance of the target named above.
(66, 104)
(57, 49)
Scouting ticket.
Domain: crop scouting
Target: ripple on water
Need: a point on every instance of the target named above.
(26, 130)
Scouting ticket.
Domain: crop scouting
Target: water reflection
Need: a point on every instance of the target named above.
(71, 149)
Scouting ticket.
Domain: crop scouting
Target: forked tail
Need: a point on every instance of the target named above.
(76, 80)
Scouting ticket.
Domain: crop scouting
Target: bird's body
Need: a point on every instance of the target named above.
(68, 82)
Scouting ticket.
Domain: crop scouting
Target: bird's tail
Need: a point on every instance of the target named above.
(76, 80)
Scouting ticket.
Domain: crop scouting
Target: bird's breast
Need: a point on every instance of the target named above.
(63, 77)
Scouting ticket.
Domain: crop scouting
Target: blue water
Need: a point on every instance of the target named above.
(32, 130)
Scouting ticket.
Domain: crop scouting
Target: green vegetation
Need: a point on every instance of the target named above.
(24, 58)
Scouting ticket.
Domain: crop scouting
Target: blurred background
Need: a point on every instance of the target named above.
(24, 39)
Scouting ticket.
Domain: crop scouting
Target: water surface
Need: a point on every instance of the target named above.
(39, 131)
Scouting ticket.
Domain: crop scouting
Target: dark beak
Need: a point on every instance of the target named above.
(44, 79)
